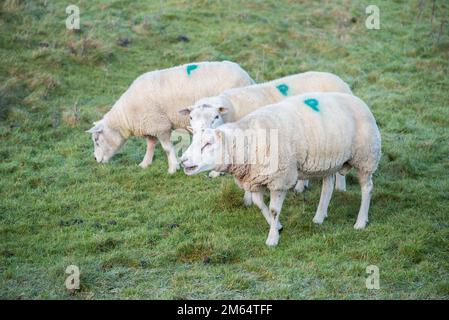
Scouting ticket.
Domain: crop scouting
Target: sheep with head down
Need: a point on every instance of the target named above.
(317, 135)
(150, 107)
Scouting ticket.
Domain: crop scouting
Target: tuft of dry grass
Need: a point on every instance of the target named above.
(89, 50)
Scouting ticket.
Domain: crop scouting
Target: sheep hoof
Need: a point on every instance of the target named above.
(172, 170)
(318, 220)
(340, 188)
(360, 225)
(273, 238)
(272, 241)
(144, 164)
(214, 174)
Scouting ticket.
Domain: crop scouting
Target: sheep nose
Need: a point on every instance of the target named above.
(182, 161)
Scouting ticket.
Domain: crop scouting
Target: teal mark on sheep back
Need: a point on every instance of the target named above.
(283, 89)
(191, 67)
(313, 103)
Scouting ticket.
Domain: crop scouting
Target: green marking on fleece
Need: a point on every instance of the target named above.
(313, 103)
(283, 89)
(191, 67)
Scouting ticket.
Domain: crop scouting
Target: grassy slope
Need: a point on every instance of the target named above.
(143, 234)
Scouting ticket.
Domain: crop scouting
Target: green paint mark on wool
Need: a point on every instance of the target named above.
(191, 67)
(313, 103)
(283, 89)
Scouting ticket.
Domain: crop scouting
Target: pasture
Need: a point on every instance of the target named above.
(144, 234)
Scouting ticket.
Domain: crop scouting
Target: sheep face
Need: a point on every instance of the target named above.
(206, 113)
(204, 152)
(107, 141)
(205, 117)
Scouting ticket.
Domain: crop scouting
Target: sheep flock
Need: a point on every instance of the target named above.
(271, 136)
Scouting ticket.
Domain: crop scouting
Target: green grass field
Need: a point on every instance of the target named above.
(144, 234)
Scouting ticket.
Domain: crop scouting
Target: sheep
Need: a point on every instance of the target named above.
(149, 108)
(317, 135)
(233, 104)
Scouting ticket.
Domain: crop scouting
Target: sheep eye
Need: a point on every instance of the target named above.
(206, 145)
(216, 117)
(190, 118)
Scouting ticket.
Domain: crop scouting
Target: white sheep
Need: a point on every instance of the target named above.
(317, 135)
(150, 107)
(233, 104)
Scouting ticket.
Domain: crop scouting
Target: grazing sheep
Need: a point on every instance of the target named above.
(233, 104)
(317, 135)
(149, 108)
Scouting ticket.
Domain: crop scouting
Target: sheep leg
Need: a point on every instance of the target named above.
(326, 194)
(366, 184)
(148, 159)
(340, 182)
(276, 200)
(247, 198)
(170, 152)
(257, 198)
(301, 185)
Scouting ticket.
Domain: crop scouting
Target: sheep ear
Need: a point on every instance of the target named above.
(218, 134)
(223, 110)
(97, 128)
(185, 112)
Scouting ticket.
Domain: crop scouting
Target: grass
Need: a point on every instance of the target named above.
(144, 234)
